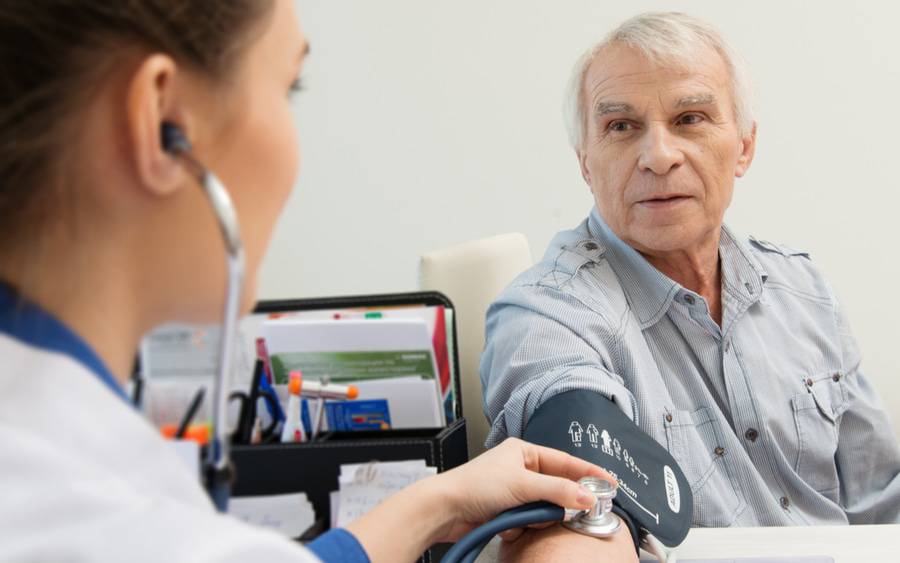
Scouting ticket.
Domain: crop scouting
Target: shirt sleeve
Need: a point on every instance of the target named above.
(868, 456)
(338, 546)
(535, 348)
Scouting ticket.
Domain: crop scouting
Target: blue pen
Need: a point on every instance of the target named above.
(274, 406)
(304, 417)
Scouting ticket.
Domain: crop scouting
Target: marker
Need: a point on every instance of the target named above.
(262, 353)
(316, 389)
(293, 427)
(322, 390)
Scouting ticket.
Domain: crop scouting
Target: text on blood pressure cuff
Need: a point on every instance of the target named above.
(652, 488)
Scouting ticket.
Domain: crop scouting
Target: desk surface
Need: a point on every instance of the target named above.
(846, 544)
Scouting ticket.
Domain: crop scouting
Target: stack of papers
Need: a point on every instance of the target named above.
(400, 359)
(390, 361)
(289, 515)
(364, 486)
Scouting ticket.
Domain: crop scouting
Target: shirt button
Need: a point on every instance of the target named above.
(809, 382)
(751, 434)
(727, 346)
(590, 246)
(689, 299)
(836, 377)
(668, 418)
(719, 451)
(785, 503)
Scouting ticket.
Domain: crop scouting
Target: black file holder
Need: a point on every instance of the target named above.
(313, 467)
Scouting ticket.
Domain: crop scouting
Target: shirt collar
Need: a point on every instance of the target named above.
(32, 325)
(650, 293)
(743, 277)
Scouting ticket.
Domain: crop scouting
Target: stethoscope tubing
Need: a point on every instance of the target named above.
(217, 470)
(470, 546)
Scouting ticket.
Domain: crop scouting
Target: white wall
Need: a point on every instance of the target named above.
(429, 123)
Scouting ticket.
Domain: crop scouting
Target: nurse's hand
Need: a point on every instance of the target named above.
(446, 506)
(510, 475)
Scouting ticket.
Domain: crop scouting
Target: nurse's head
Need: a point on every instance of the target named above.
(94, 214)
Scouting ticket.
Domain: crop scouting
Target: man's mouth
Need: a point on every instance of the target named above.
(664, 201)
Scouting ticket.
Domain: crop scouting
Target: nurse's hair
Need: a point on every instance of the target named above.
(666, 39)
(53, 55)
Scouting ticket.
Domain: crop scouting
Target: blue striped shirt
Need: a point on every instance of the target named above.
(768, 415)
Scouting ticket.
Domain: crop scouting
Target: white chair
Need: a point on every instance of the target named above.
(472, 274)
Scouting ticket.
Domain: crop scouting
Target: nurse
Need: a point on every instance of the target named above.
(103, 236)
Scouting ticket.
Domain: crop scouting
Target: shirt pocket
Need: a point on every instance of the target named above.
(696, 442)
(816, 414)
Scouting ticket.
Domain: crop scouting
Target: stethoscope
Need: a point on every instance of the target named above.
(217, 471)
(601, 521)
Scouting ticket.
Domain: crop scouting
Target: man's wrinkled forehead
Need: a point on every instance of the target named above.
(619, 73)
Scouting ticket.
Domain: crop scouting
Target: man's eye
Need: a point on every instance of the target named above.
(620, 126)
(690, 119)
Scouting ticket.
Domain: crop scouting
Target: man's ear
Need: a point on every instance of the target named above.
(151, 100)
(582, 163)
(748, 149)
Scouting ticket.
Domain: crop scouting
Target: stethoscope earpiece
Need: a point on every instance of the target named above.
(173, 139)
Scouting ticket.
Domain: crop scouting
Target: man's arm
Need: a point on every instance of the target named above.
(868, 456)
(533, 353)
(559, 544)
(541, 342)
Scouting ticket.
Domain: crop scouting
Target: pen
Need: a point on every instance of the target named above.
(191, 412)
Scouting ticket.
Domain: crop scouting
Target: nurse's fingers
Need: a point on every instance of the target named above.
(554, 462)
(558, 490)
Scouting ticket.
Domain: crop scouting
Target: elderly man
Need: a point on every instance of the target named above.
(732, 353)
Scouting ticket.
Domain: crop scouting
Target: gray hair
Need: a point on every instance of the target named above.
(669, 38)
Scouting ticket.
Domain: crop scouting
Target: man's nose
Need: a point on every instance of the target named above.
(659, 150)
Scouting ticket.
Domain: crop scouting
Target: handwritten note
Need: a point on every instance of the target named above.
(290, 514)
(365, 486)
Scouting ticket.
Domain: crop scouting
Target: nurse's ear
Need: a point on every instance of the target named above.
(152, 101)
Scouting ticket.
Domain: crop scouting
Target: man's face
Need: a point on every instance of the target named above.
(661, 148)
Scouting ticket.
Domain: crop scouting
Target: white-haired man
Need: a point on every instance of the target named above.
(734, 354)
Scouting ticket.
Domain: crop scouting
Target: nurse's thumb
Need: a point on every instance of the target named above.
(561, 491)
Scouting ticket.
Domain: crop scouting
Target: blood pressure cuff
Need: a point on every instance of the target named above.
(652, 490)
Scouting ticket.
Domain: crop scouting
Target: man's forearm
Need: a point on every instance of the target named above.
(559, 544)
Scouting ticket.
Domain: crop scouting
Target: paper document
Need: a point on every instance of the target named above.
(364, 486)
(289, 515)
(411, 401)
(387, 359)
(438, 319)
(363, 346)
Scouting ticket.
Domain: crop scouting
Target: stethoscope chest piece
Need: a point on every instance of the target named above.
(599, 521)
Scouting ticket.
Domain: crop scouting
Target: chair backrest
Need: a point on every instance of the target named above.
(472, 274)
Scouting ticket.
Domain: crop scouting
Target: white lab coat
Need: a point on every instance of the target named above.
(83, 477)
